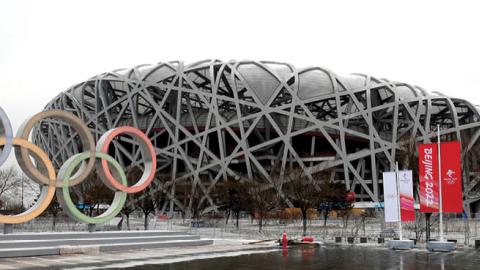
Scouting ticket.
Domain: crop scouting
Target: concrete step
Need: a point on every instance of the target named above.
(92, 241)
(42, 244)
(82, 235)
(91, 249)
(149, 245)
(29, 252)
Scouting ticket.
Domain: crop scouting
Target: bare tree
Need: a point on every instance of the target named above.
(263, 201)
(131, 202)
(9, 182)
(345, 214)
(53, 209)
(27, 190)
(333, 197)
(317, 192)
(127, 210)
(149, 201)
(233, 200)
(302, 192)
(195, 204)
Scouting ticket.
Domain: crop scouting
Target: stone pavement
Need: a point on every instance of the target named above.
(122, 259)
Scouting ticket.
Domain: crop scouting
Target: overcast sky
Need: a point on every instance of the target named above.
(47, 46)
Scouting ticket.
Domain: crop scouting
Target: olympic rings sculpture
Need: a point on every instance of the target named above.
(97, 156)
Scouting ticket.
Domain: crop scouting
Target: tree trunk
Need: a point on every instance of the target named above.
(128, 221)
(304, 221)
(228, 217)
(346, 221)
(145, 222)
(54, 222)
(363, 225)
(325, 217)
(467, 231)
(427, 221)
(237, 217)
(260, 223)
(120, 223)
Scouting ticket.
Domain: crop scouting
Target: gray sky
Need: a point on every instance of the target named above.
(47, 46)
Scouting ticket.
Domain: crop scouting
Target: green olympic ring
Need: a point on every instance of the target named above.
(66, 201)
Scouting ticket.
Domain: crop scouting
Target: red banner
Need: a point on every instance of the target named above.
(428, 174)
(407, 201)
(451, 177)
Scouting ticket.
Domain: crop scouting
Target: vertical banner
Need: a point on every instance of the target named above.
(390, 197)
(407, 209)
(451, 177)
(428, 174)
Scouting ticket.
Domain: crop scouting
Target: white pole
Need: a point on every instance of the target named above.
(398, 201)
(440, 209)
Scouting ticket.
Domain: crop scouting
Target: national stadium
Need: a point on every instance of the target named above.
(212, 121)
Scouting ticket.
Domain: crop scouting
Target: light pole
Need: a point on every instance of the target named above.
(397, 182)
(440, 208)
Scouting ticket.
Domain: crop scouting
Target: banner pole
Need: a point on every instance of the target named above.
(398, 201)
(440, 210)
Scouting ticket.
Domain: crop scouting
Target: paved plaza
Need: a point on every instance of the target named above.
(219, 248)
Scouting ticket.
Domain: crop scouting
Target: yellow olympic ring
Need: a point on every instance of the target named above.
(47, 192)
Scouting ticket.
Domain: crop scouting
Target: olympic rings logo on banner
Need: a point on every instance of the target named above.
(66, 177)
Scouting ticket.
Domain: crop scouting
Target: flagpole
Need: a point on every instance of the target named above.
(398, 201)
(440, 209)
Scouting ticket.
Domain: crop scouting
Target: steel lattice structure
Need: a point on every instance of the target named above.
(211, 120)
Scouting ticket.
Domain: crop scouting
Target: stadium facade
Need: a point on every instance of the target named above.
(211, 121)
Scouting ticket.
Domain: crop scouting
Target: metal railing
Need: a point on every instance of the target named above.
(459, 229)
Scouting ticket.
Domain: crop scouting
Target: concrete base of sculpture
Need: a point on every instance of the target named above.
(87, 250)
(42, 244)
(401, 244)
(440, 246)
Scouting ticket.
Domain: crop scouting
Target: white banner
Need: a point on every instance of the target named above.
(390, 197)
